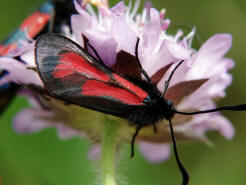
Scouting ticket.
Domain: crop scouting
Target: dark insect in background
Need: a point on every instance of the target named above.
(46, 19)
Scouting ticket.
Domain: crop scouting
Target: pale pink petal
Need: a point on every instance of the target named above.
(154, 152)
(213, 122)
(177, 51)
(119, 8)
(34, 120)
(208, 58)
(28, 57)
(152, 31)
(169, 52)
(18, 72)
(78, 7)
(65, 132)
(79, 24)
(163, 57)
(104, 45)
(32, 97)
(222, 66)
(29, 121)
(228, 63)
(125, 37)
(176, 54)
(215, 47)
(225, 127)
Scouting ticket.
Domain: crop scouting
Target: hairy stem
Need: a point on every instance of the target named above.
(108, 160)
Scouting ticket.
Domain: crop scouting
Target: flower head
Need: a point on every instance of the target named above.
(113, 33)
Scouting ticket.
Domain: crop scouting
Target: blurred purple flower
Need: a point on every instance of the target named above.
(200, 80)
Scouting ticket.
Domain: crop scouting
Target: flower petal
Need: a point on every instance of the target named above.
(214, 122)
(105, 46)
(119, 8)
(78, 7)
(177, 50)
(225, 127)
(79, 24)
(208, 60)
(215, 47)
(152, 30)
(154, 152)
(18, 72)
(28, 121)
(28, 57)
(124, 36)
(65, 132)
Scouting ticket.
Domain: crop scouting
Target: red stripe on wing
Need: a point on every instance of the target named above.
(100, 89)
(4, 50)
(133, 88)
(35, 23)
(71, 62)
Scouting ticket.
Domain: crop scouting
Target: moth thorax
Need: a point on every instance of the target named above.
(156, 109)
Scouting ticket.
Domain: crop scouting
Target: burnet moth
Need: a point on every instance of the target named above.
(71, 74)
(28, 29)
(47, 18)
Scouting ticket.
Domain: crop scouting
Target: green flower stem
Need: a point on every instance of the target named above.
(108, 160)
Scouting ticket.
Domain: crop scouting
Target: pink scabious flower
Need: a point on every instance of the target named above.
(113, 32)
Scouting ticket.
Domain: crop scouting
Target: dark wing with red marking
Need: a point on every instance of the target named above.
(71, 74)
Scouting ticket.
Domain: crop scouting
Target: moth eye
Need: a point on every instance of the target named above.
(147, 100)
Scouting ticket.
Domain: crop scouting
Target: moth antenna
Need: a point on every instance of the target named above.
(240, 107)
(170, 77)
(139, 64)
(180, 165)
(134, 138)
(95, 51)
(142, 70)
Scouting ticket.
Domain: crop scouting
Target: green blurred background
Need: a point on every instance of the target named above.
(42, 158)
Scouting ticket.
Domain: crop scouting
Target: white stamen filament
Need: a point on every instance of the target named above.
(91, 10)
(144, 14)
(135, 8)
(129, 8)
(178, 35)
(190, 36)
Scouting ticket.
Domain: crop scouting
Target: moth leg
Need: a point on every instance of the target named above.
(155, 128)
(134, 138)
